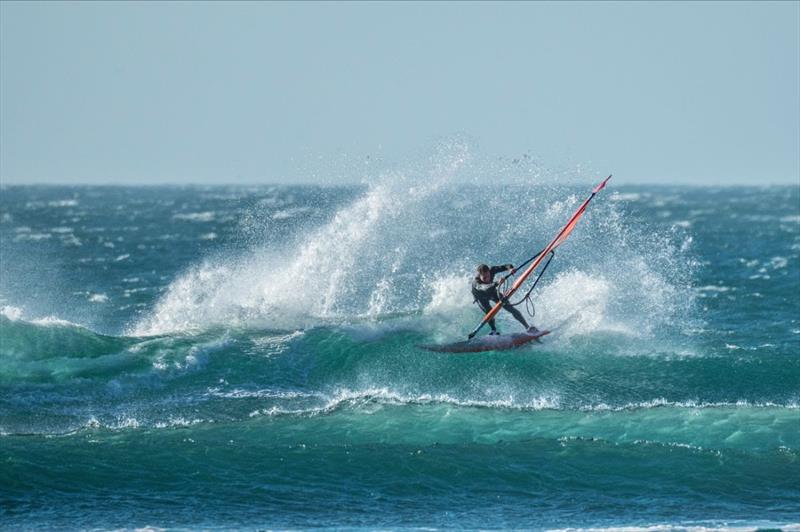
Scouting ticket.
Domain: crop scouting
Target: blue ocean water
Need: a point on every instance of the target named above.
(246, 357)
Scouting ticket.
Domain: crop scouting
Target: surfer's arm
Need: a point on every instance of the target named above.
(503, 268)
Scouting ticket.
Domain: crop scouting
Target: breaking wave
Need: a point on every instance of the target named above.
(406, 247)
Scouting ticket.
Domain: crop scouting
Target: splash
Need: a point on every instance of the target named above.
(407, 245)
(348, 267)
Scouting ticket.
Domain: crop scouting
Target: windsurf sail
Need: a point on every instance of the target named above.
(537, 259)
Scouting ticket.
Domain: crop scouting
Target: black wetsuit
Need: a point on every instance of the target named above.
(486, 295)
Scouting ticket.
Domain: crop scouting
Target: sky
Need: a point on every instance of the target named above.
(656, 92)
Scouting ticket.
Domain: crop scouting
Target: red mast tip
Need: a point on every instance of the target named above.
(599, 187)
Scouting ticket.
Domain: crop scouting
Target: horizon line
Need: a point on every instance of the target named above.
(5, 184)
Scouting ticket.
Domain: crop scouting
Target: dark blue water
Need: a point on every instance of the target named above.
(222, 357)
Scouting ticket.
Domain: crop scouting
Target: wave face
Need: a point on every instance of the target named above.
(226, 357)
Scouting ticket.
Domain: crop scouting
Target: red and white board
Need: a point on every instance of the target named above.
(495, 342)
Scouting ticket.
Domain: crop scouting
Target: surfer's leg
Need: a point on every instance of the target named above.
(486, 307)
(517, 314)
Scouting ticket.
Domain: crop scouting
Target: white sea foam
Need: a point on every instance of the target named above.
(315, 281)
(53, 321)
(577, 297)
(370, 398)
(17, 314)
(664, 403)
(71, 240)
(777, 263)
(124, 422)
(448, 293)
(206, 216)
(98, 298)
(628, 196)
(63, 203)
(715, 288)
(33, 237)
(193, 359)
(11, 312)
(376, 397)
(261, 394)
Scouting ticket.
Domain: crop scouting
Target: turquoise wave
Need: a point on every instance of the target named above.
(329, 384)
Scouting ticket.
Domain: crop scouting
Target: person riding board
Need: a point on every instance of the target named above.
(484, 290)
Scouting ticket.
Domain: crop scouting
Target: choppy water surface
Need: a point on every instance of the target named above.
(247, 357)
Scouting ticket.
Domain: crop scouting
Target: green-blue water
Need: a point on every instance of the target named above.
(231, 357)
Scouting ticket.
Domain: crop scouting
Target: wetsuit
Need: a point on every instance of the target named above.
(486, 295)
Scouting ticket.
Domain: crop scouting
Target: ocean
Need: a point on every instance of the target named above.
(247, 357)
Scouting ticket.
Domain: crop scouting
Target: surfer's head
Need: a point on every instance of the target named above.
(484, 273)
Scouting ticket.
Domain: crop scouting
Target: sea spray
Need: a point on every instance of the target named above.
(407, 243)
(346, 267)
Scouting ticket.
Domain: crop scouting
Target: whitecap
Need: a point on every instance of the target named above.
(10, 312)
(52, 321)
(34, 237)
(71, 240)
(715, 288)
(625, 196)
(63, 203)
(206, 216)
(778, 262)
(371, 398)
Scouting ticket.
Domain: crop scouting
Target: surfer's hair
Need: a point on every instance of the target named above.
(483, 268)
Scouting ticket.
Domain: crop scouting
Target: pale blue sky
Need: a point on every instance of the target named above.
(265, 92)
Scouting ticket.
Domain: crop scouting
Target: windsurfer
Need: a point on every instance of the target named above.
(484, 290)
